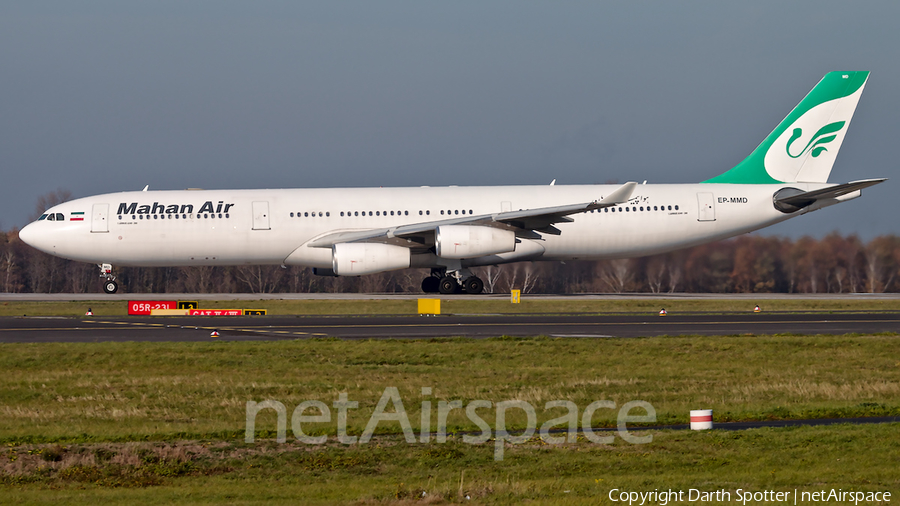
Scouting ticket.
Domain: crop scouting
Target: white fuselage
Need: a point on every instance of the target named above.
(240, 227)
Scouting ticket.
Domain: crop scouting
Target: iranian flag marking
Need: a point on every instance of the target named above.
(77, 216)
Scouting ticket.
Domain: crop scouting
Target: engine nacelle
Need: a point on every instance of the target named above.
(358, 258)
(465, 241)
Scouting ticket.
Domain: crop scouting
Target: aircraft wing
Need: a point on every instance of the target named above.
(526, 223)
(803, 199)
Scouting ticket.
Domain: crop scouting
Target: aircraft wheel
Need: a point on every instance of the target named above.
(473, 285)
(110, 287)
(448, 285)
(431, 284)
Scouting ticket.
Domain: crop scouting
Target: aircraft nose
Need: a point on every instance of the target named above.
(31, 236)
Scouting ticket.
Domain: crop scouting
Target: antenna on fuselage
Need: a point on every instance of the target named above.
(553, 182)
(146, 188)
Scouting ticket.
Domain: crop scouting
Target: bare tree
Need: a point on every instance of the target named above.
(260, 278)
(48, 200)
(9, 263)
(656, 270)
(617, 275)
(492, 275)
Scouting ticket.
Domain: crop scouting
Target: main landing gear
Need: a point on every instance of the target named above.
(109, 285)
(441, 281)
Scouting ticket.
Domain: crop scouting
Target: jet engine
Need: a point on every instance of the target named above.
(464, 241)
(355, 259)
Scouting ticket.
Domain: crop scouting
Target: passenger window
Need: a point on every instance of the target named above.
(676, 208)
(442, 211)
(327, 214)
(292, 215)
(428, 212)
(626, 209)
(456, 212)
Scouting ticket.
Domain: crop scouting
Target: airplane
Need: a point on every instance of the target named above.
(450, 230)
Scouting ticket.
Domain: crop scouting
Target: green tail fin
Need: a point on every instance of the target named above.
(802, 148)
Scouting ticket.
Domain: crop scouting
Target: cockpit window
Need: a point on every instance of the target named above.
(51, 217)
(60, 217)
(43, 217)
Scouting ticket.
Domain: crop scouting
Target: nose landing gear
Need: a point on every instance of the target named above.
(109, 286)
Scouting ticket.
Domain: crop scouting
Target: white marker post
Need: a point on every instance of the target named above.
(701, 419)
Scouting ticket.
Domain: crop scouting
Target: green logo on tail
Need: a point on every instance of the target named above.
(825, 135)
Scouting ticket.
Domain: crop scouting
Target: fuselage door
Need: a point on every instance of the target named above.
(99, 218)
(261, 215)
(707, 205)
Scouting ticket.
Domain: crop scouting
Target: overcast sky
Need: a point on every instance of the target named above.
(100, 97)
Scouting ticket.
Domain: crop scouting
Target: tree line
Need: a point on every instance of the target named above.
(746, 264)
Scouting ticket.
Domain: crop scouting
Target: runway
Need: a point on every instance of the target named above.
(192, 329)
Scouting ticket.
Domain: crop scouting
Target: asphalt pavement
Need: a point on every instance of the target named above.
(199, 328)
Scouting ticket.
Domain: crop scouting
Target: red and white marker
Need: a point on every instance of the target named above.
(215, 333)
(89, 312)
(701, 419)
(757, 309)
(662, 312)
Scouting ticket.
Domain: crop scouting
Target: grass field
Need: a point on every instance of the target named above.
(164, 422)
(859, 458)
(132, 422)
(462, 305)
(112, 391)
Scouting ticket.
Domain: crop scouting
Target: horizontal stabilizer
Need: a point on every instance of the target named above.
(791, 199)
